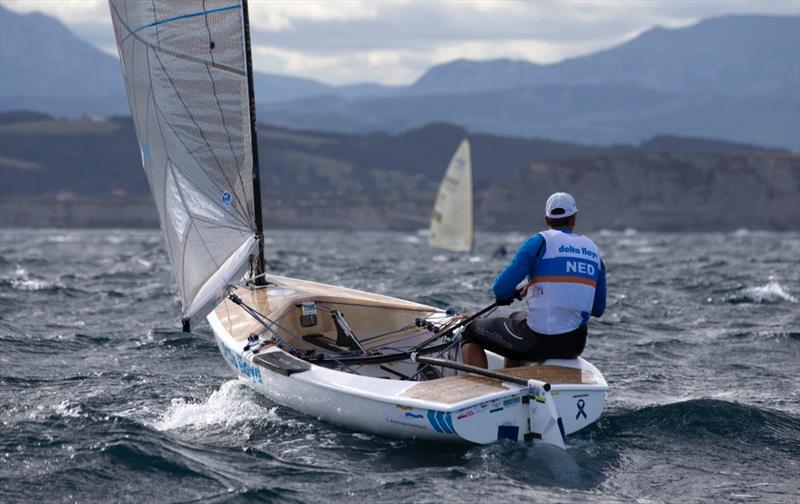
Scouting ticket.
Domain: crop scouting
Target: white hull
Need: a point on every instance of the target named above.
(403, 408)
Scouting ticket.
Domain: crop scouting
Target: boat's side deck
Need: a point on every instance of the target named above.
(367, 314)
(554, 374)
(455, 389)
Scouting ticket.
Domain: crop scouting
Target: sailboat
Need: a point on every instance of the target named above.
(452, 222)
(365, 361)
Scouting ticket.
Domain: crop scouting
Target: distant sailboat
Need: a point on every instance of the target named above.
(452, 223)
(349, 357)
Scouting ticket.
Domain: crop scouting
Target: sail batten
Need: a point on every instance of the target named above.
(186, 73)
(452, 218)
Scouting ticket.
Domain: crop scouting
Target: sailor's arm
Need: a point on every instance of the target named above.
(520, 267)
(599, 305)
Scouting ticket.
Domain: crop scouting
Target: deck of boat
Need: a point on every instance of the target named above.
(455, 389)
(367, 313)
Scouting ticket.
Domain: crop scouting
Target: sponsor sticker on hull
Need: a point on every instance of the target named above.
(244, 367)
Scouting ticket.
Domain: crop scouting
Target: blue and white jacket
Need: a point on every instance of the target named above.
(567, 280)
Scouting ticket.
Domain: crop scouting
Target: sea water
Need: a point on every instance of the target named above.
(103, 399)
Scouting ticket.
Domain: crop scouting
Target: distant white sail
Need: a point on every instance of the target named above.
(452, 220)
(185, 70)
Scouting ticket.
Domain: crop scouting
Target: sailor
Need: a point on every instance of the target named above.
(500, 252)
(565, 284)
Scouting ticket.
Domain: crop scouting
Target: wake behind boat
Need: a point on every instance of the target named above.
(365, 361)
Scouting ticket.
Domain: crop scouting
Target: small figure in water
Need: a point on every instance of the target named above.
(500, 253)
(566, 285)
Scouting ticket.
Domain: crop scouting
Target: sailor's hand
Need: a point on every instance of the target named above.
(504, 302)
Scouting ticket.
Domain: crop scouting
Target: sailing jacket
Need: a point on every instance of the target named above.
(567, 280)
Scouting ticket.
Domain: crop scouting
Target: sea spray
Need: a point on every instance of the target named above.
(232, 404)
(772, 292)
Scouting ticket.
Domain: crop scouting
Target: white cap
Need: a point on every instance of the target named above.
(560, 205)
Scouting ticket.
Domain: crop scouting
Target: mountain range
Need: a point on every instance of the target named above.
(734, 78)
(90, 174)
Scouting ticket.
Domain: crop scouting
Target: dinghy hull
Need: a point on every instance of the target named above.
(456, 408)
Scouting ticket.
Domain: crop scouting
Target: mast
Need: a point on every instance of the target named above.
(257, 260)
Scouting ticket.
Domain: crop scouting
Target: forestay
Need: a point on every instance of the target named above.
(452, 220)
(185, 70)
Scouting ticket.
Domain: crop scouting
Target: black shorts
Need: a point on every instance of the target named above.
(511, 337)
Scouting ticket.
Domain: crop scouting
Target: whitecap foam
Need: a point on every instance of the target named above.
(144, 262)
(67, 238)
(30, 285)
(232, 404)
(773, 292)
(67, 409)
(21, 280)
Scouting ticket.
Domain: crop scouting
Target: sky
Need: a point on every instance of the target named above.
(394, 42)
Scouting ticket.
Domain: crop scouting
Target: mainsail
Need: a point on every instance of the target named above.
(185, 66)
(452, 221)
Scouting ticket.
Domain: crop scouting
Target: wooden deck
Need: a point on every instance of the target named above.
(554, 374)
(455, 389)
(367, 313)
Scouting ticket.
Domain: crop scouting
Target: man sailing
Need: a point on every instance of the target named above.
(566, 284)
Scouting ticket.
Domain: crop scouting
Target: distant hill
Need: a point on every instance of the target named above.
(656, 191)
(735, 78)
(96, 157)
(380, 181)
(729, 56)
(48, 68)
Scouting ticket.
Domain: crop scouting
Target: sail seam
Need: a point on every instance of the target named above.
(218, 224)
(161, 117)
(221, 112)
(149, 74)
(167, 169)
(179, 18)
(199, 130)
(133, 71)
(173, 53)
(199, 235)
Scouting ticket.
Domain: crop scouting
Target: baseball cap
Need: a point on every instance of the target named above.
(560, 205)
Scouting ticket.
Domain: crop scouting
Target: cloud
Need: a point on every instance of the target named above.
(278, 15)
(395, 41)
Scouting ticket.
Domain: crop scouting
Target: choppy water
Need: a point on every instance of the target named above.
(102, 399)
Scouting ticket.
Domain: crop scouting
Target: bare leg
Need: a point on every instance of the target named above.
(473, 354)
(511, 363)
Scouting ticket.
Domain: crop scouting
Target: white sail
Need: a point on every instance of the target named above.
(452, 220)
(185, 70)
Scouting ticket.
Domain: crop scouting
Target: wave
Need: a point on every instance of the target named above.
(771, 293)
(174, 338)
(22, 281)
(708, 420)
(231, 405)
